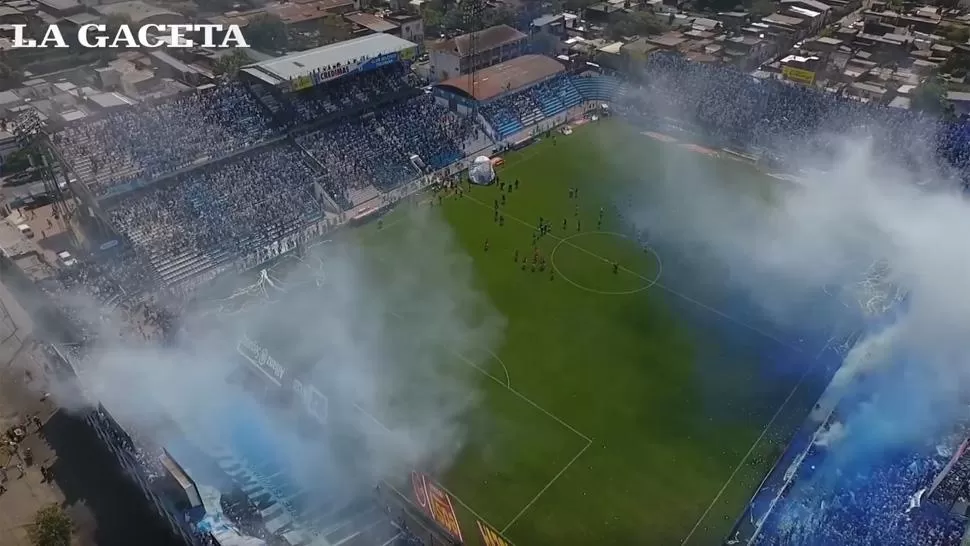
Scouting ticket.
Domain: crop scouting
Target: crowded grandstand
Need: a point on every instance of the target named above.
(233, 176)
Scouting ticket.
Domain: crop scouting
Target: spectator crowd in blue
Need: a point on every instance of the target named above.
(346, 94)
(222, 209)
(845, 496)
(781, 119)
(196, 197)
(376, 149)
(151, 140)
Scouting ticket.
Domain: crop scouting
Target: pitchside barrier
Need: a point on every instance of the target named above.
(416, 515)
(490, 537)
(436, 503)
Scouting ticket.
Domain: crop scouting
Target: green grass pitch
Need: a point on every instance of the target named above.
(597, 426)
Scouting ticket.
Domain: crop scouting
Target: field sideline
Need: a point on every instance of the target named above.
(632, 406)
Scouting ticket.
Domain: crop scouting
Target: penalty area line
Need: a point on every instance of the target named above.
(507, 386)
(546, 487)
(524, 398)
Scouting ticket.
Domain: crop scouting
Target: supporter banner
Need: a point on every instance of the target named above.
(379, 61)
(301, 82)
(490, 537)
(420, 491)
(948, 467)
(798, 75)
(319, 76)
(409, 54)
(442, 510)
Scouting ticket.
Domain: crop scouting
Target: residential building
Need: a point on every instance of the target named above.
(475, 51)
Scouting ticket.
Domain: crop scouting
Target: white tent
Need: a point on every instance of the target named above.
(481, 171)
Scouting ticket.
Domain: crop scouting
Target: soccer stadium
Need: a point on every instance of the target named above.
(348, 308)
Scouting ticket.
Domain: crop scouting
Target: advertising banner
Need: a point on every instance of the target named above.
(442, 510)
(798, 75)
(490, 537)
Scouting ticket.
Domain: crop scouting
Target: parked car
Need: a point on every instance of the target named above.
(66, 259)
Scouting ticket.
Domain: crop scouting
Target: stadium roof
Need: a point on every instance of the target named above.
(487, 39)
(303, 63)
(504, 77)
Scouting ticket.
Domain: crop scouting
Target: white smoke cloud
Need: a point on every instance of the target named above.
(847, 211)
(380, 337)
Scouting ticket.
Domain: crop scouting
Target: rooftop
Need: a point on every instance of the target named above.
(372, 22)
(504, 77)
(900, 102)
(705, 23)
(292, 13)
(814, 4)
(136, 11)
(110, 100)
(82, 19)
(784, 20)
(8, 97)
(487, 39)
(804, 12)
(958, 96)
(829, 41)
(303, 63)
(172, 62)
(668, 40)
(639, 46)
(547, 20)
(60, 5)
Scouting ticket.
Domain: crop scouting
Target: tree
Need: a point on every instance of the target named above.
(545, 44)
(18, 161)
(499, 16)
(266, 32)
(930, 97)
(578, 5)
(761, 8)
(52, 527)
(334, 28)
(958, 35)
(453, 19)
(956, 61)
(717, 5)
(230, 64)
(433, 17)
(10, 76)
(638, 23)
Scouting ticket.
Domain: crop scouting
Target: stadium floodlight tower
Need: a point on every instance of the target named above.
(33, 139)
(472, 20)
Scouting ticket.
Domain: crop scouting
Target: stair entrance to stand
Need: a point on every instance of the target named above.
(418, 163)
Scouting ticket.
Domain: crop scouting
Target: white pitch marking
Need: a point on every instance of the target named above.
(547, 486)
